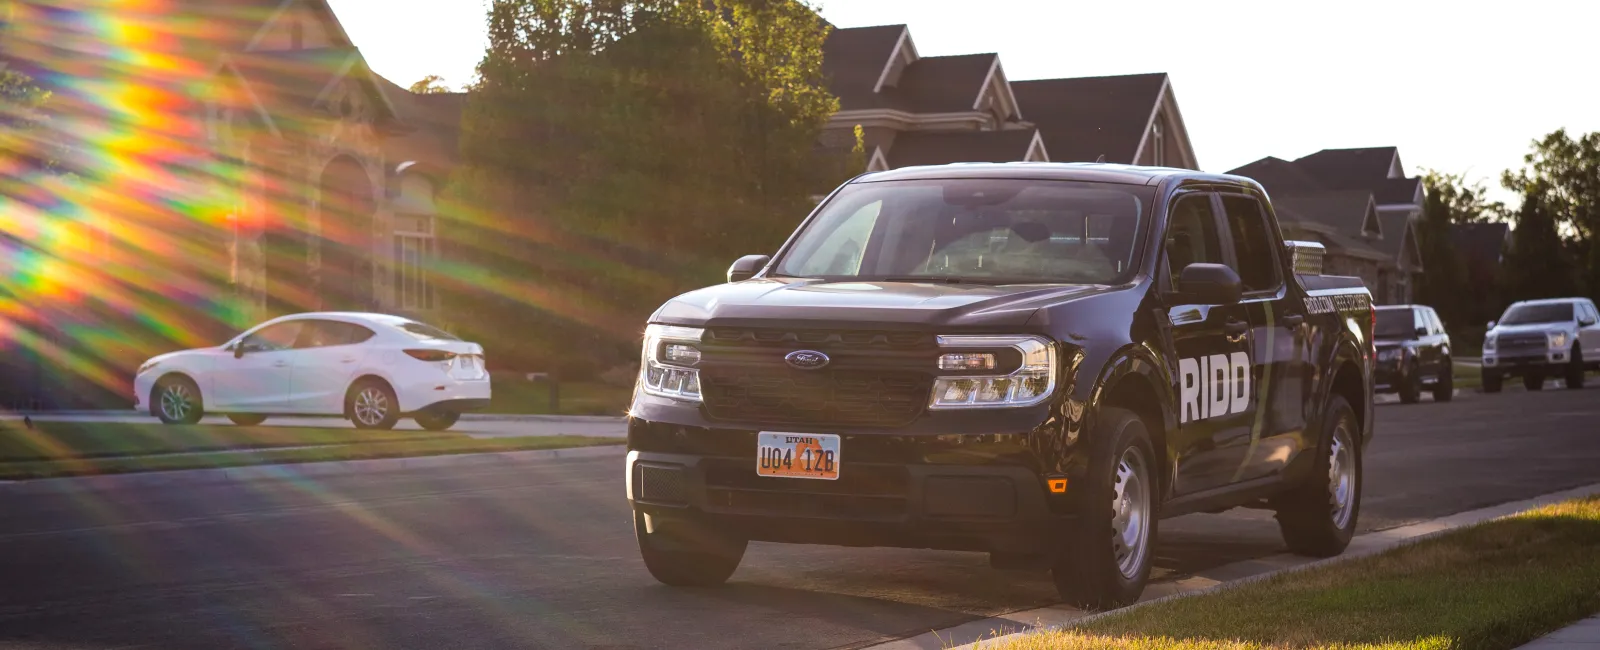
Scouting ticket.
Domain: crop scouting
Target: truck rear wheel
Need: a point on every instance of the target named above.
(1411, 386)
(1105, 560)
(1445, 388)
(1318, 517)
(684, 555)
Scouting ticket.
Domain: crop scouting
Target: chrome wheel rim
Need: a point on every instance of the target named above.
(176, 401)
(1130, 507)
(1341, 477)
(372, 406)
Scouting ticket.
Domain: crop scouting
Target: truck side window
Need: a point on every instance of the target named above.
(1256, 263)
(1192, 234)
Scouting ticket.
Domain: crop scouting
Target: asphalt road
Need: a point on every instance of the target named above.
(542, 556)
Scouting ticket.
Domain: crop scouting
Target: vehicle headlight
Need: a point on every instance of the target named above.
(1488, 343)
(1029, 377)
(147, 367)
(670, 352)
(1558, 340)
(1390, 354)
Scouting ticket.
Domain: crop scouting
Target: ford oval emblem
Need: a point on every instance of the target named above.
(806, 360)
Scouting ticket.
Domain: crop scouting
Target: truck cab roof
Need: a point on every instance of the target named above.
(1087, 172)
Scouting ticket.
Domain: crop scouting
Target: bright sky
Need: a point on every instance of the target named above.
(1462, 87)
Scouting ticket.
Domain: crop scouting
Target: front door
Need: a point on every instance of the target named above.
(1211, 345)
(256, 378)
(1280, 363)
(1589, 332)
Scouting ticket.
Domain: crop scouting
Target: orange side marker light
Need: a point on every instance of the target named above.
(1058, 486)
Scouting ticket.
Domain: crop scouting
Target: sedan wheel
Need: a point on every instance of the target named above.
(178, 401)
(372, 405)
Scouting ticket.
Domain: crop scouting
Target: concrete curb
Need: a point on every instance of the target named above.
(296, 471)
(983, 633)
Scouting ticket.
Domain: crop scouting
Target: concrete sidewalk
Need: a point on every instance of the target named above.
(475, 425)
(1583, 635)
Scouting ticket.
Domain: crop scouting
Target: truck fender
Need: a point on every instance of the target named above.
(1134, 378)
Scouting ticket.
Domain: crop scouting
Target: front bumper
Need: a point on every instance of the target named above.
(984, 496)
(1519, 363)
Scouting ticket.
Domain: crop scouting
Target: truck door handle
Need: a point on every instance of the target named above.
(1293, 320)
(280, 364)
(1235, 329)
(347, 360)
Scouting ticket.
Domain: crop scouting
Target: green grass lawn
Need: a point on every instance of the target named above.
(577, 398)
(54, 449)
(1488, 587)
(49, 441)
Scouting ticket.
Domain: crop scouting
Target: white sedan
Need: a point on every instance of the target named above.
(370, 368)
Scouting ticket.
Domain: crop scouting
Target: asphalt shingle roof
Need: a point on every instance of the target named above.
(854, 59)
(941, 84)
(1082, 119)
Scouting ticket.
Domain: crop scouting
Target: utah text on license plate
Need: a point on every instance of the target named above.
(798, 455)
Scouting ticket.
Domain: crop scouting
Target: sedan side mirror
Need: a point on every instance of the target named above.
(747, 267)
(238, 350)
(1208, 284)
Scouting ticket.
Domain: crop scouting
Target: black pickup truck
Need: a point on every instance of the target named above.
(1033, 360)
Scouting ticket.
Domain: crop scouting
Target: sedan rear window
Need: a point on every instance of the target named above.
(426, 332)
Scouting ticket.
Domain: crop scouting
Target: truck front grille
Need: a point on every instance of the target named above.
(820, 398)
(1522, 343)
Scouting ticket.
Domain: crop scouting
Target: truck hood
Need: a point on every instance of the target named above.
(1502, 330)
(935, 304)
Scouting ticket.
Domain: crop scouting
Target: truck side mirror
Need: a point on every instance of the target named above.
(1421, 332)
(747, 267)
(1491, 324)
(1209, 284)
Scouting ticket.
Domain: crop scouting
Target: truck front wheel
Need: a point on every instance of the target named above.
(1318, 517)
(1105, 560)
(685, 555)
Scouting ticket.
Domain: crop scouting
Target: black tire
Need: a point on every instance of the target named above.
(437, 420)
(1097, 568)
(1411, 387)
(371, 404)
(1309, 515)
(1575, 370)
(247, 419)
(1491, 381)
(687, 556)
(1444, 389)
(1534, 380)
(175, 399)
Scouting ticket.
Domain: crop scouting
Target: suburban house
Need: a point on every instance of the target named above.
(1357, 202)
(927, 110)
(272, 170)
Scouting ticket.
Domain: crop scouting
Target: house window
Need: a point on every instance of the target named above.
(1160, 149)
(414, 252)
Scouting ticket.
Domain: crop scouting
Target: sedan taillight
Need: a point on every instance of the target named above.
(431, 355)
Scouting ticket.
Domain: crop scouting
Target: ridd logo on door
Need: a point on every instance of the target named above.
(1213, 386)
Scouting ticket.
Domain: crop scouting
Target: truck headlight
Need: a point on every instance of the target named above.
(1488, 343)
(669, 354)
(1031, 381)
(1558, 341)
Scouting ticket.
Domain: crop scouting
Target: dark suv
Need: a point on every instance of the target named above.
(1413, 353)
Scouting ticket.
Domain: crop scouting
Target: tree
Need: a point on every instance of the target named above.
(1444, 282)
(430, 85)
(1567, 170)
(617, 153)
(1538, 264)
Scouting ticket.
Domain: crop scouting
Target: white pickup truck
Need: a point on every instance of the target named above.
(1538, 338)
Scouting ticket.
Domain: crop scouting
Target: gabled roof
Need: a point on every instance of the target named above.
(1398, 190)
(435, 143)
(942, 84)
(855, 59)
(1279, 176)
(1082, 119)
(941, 147)
(1343, 169)
(1347, 211)
(1399, 241)
(1290, 219)
(291, 82)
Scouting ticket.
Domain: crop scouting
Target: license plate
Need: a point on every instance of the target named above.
(798, 455)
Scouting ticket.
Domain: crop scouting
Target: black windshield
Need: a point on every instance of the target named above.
(1555, 312)
(974, 230)
(1395, 324)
